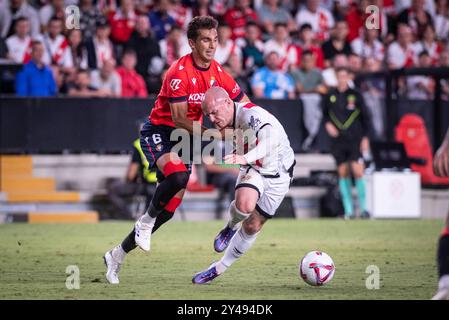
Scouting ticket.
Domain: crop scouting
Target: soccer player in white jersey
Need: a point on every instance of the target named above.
(264, 179)
(441, 169)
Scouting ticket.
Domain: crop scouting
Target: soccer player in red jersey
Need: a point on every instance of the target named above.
(441, 169)
(178, 105)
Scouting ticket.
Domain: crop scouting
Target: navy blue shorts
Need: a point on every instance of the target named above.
(155, 142)
(346, 151)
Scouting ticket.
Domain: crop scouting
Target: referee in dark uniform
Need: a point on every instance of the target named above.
(347, 122)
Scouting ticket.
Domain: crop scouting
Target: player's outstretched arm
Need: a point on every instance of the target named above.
(441, 159)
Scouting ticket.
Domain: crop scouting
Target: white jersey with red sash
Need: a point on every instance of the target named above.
(250, 119)
(223, 53)
(287, 52)
(58, 51)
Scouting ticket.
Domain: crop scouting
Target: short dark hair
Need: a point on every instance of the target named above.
(306, 53)
(54, 18)
(340, 69)
(305, 26)
(280, 24)
(200, 22)
(129, 51)
(82, 70)
(423, 53)
(175, 27)
(19, 19)
(36, 43)
(251, 24)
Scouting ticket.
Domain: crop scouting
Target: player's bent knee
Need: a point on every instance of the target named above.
(180, 180)
(245, 205)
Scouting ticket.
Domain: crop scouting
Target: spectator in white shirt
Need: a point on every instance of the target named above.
(226, 47)
(55, 8)
(19, 44)
(421, 87)
(11, 10)
(400, 54)
(318, 17)
(107, 79)
(283, 46)
(57, 47)
(441, 20)
(368, 45)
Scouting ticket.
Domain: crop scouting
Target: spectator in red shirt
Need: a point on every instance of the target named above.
(123, 21)
(356, 19)
(133, 84)
(238, 16)
(306, 38)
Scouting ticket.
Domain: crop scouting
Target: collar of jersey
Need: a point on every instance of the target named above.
(198, 67)
(235, 113)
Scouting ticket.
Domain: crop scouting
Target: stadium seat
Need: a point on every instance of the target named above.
(31, 199)
(412, 132)
(196, 185)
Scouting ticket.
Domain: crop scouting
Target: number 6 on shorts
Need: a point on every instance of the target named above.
(157, 138)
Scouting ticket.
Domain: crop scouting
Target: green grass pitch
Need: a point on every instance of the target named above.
(34, 258)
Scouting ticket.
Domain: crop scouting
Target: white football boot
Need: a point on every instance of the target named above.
(443, 289)
(143, 234)
(113, 268)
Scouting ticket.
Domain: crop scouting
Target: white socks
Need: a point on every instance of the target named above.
(240, 243)
(236, 216)
(148, 220)
(444, 282)
(118, 254)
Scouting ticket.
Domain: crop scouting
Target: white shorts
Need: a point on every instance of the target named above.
(272, 190)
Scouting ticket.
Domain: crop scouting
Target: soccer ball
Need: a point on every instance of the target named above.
(316, 268)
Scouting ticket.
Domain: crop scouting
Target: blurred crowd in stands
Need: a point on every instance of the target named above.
(275, 49)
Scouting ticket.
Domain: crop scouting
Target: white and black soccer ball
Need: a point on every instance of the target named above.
(316, 268)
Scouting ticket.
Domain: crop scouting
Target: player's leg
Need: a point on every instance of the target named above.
(358, 169)
(274, 192)
(168, 195)
(249, 186)
(443, 264)
(241, 240)
(173, 176)
(341, 152)
(345, 186)
(129, 242)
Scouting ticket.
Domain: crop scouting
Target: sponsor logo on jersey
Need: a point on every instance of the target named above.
(236, 88)
(212, 82)
(196, 98)
(254, 122)
(194, 80)
(181, 67)
(174, 84)
(351, 102)
(219, 69)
